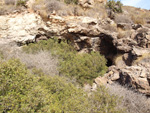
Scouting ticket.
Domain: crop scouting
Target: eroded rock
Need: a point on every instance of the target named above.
(20, 28)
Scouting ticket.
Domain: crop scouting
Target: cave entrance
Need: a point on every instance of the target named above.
(107, 48)
(109, 62)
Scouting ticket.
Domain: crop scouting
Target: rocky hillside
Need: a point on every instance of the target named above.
(124, 44)
(120, 33)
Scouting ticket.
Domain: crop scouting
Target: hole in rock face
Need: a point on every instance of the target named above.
(107, 48)
(109, 62)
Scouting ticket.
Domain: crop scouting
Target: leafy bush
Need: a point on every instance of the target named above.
(71, 1)
(21, 2)
(115, 6)
(85, 68)
(103, 102)
(23, 92)
(16, 2)
(1, 55)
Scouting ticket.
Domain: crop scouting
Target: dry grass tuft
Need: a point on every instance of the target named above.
(145, 58)
(4, 9)
(138, 16)
(134, 102)
(10, 2)
(62, 9)
(120, 18)
(138, 19)
(124, 34)
(42, 60)
(111, 28)
(9, 6)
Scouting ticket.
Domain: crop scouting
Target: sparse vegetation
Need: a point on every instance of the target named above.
(144, 58)
(133, 102)
(1, 55)
(10, 2)
(61, 7)
(7, 9)
(71, 1)
(115, 6)
(21, 2)
(120, 18)
(11, 5)
(123, 33)
(111, 28)
(138, 19)
(53, 5)
(137, 15)
(15, 2)
(69, 9)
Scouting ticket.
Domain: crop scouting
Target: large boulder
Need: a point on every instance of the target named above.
(136, 77)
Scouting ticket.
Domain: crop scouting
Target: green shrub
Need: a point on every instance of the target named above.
(103, 102)
(22, 92)
(71, 1)
(115, 6)
(16, 2)
(15, 83)
(85, 68)
(1, 55)
(21, 2)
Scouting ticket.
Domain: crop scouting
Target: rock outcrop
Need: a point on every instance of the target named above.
(136, 76)
(21, 28)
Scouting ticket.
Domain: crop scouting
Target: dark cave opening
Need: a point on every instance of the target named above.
(107, 48)
(109, 62)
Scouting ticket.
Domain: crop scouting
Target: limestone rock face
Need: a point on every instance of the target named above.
(20, 27)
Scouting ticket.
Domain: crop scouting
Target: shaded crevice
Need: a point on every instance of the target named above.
(39, 37)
